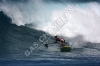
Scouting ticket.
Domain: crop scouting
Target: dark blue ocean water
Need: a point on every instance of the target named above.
(74, 62)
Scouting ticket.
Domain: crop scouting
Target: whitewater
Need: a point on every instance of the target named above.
(23, 22)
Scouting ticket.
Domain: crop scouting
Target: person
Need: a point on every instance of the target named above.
(61, 40)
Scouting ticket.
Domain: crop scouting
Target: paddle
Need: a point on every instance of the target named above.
(46, 45)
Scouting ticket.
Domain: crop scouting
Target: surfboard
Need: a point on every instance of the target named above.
(65, 49)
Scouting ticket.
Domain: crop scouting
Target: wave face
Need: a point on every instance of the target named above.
(22, 23)
(15, 39)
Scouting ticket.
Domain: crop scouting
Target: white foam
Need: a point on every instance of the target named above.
(84, 20)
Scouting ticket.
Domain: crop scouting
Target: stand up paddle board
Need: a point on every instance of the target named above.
(65, 49)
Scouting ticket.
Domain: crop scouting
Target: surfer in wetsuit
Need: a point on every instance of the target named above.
(62, 41)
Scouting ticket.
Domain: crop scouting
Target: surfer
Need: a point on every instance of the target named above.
(61, 40)
(65, 48)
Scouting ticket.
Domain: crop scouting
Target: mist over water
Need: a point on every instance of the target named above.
(40, 15)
